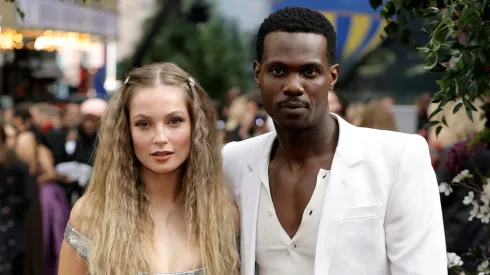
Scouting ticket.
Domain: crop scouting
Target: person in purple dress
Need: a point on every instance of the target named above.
(55, 208)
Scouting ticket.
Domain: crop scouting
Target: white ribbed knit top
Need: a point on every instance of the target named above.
(276, 252)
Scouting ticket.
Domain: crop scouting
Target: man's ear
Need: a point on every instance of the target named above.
(334, 75)
(256, 68)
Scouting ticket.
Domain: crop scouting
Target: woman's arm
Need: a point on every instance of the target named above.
(71, 262)
(49, 173)
(26, 150)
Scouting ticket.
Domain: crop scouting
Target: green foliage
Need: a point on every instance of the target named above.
(458, 47)
(213, 52)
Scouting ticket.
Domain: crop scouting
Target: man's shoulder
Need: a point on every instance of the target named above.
(236, 155)
(248, 147)
(390, 140)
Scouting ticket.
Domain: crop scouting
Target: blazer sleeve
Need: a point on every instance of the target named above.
(229, 158)
(415, 240)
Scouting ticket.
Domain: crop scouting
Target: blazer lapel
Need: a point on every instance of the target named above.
(338, 196)
(250, 205)
(337, 199)
(251, 186)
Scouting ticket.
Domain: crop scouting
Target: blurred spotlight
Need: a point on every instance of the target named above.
(220, 125)
(260, 119)
(19, 45)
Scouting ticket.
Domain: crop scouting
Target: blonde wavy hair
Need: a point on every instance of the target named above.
(121, 227)
(378, 115)
(236, 113)
(355, 112)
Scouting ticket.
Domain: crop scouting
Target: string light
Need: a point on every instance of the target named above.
(47, 40)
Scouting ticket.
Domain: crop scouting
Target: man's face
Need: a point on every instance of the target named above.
(294, 77)
(21, 124)
(90, 124)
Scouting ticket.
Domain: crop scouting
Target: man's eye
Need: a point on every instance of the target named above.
(310, 72)
(277, 71)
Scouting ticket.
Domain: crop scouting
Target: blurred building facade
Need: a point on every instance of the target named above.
(132, 16)
(249, 14)
(57, 49)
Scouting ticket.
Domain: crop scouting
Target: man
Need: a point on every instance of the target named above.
(318, 195)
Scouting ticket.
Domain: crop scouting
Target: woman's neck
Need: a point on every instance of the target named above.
(162, 189)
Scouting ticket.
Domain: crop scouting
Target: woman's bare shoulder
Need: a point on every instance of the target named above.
(79, 211)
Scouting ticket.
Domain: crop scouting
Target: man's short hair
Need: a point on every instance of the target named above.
(298, 20)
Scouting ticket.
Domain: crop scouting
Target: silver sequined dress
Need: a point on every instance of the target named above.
(81, 245)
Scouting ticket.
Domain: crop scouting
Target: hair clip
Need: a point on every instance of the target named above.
(192, 82)
(126, 81)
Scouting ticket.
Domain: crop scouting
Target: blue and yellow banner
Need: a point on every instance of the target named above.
(358, 26)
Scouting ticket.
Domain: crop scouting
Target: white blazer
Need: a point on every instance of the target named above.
(381, 213)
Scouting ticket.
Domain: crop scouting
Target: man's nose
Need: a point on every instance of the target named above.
(294, 85)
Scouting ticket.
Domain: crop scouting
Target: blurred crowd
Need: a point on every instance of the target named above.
(46, 154)
(46, 151)
(242, 115)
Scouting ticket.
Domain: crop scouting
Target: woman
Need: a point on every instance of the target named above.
(337, 104)
(33, 148)
(157, 201)
(26, 147)
(378, 114)
(16, 193)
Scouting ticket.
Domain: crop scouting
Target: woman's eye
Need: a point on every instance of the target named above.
(176, 121)
(142, 124)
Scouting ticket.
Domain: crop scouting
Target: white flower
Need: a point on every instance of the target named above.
(485, 195)
(453, 260)
(469, 199)
(483, 268)
(445, 188)
(474, 212)
(484, 217)
(462, 176)
(484, 214)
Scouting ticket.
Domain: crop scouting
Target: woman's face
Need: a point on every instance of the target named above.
(11, 135)
(160, 128)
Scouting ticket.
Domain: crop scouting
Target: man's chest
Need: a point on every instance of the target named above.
(291, 193)
(289, 236)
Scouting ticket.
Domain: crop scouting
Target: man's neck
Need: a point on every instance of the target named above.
(316, 142)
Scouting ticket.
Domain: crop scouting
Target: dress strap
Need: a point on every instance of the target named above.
(78, 241)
